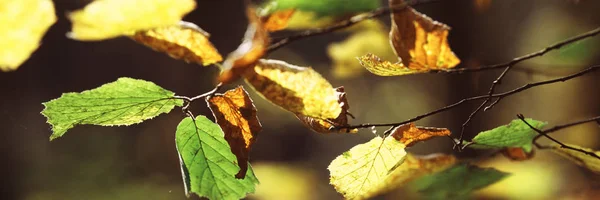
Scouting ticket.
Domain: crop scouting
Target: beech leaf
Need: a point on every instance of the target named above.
(184, 41)
(300, 90)
(328, 125)
(105, 19)
(515, 134)
(207, 164)
(409, 134)
(236, 115)
(23, 24)
(123, 102)
(277, 20)
(589, 162)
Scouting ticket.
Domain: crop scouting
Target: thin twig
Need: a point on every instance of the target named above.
(188, 100)
(556, 128)
(345, 23)
(498, 95)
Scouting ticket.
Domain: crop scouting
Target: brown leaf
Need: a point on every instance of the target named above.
(517, 153)
(300, 90)
(236, 115)
(183, 41)
(253, 47)
(277, 20)
(410, 134)
(419, 41)
(327, 126)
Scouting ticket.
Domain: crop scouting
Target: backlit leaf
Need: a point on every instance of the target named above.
(207, 165)
(300, 90)
(277, 20)
(409, 134)
(253, 47)
(420, 43)
(183, 41)
(123, 102)
(326, 7)
(457, 182)
(359, 172)
(327, 126)
(589, 162)
(236, 115)
(105, 19)
(23, 23)
(515, 134)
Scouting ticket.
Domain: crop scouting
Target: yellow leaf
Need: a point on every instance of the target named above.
(236, 115)
(359, 172)
(105, 19)
(278, 20)
(327, 126)
(299, 90)
(581, 159)
(23, 23)
(253, 47)
(372, 38)
(409, 134)
(184, 41)
(420, 43)
(414, 167)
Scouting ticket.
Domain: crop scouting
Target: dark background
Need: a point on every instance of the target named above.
(140, 161)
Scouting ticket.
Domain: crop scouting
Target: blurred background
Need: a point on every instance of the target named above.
(140, 161)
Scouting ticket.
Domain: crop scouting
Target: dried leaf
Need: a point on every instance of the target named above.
(581, 159)
(409, 134)
(297, 89)
(327, 126)
(236, 115)
(253, 47)
(277, 20)
(105, 19)
(517, 153)
(184, 41)
(23, 24)
(420, 43)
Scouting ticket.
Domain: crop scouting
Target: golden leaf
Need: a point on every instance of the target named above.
(105, 19)
(581, 159)
(253, 47)
(420, 43)
(359, 172)
(23, 24)
(184, 41)
(277, 20)
(326, 126)
(299, 90)
(409, 134)
(236, 115)
(517, 153)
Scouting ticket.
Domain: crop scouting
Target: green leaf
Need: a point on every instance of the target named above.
(123, 102)
(456, 182)
(326, 7)
(207, 164)
(515, 134)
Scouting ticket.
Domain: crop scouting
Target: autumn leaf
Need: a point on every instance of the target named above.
(277, 20)
(456, 182)
(300, 90)
(328, 125)
(105, 19)
(183, 41)
(420, 43)
(515, 134)
(359, 172)
(253, 47)
(23, 24)
(236, 115)
(409, 134)
(517, 153)
(588, 161)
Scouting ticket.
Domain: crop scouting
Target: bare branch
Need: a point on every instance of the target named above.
(556, 128)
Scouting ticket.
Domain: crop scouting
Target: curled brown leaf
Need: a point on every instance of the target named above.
(409, 134)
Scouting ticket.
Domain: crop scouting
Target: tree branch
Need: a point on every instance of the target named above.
(559, 127)
(498, 95)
